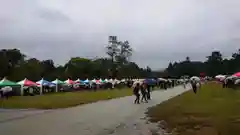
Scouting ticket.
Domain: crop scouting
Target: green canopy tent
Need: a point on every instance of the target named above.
(57, 82)
(5, 82)
(102, 81)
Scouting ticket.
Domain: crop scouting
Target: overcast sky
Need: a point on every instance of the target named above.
(159, 31)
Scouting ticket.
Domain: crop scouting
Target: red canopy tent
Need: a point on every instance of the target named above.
(68, 81)
(27, 82)
(237, 74)
(97, 81)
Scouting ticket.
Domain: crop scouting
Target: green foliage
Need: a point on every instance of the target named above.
(214, 65)
(15, 67)
(119, 51)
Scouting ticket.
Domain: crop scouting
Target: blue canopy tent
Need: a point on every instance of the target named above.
(81, 82)
(86, 81)
(43, 82)
(150, 81)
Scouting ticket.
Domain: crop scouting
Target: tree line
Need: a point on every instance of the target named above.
(15, 65)
(214, 65)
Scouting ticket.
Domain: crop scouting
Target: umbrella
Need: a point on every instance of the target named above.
(195, 78)
(123, 80)
(136, 82)
(220, 77)
(162, 79)
(6, 89)
(230, 77)
(149, 81)
(5, 82)
(237, 74)
(237, 81)
(26, 82)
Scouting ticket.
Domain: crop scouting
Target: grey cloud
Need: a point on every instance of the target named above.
(159, 31)
(52, 15)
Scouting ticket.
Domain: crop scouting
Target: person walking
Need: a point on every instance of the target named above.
(184, 84)
(194, 86)
(144, 93)
(165, 85)
(148, 92)
(136, 93)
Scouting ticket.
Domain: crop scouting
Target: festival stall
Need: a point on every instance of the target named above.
(42, 83)
(26, 82)
(236, 74)
(57, 82)
(101, 81)
(69, 82)
(6, 85)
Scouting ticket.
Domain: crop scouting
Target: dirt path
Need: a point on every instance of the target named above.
(113, 117)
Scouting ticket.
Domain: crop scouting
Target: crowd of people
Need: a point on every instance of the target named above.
(144, 89)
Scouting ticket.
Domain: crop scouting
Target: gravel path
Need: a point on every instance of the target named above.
(112, 117)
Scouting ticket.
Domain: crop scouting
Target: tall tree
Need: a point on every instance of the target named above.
(214, 63)
(112, 47)
(188, 59)
(9, 59)
(48, 69)
(125, 52)
(78, 67)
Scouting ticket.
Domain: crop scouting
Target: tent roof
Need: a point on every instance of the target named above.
(237, 74)
(86, 81)
(44, 82)
(27, 82)
(57, 81)
(68, 81)
(5, 82)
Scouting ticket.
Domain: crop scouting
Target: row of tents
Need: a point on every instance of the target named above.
(235, 78)
(56, 83)
(4, 82)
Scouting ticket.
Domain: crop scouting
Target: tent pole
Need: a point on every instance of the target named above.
(21, 90)
(56, 87)
(41, 88)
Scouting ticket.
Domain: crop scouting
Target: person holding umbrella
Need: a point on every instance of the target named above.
(136, 93)
(144, 92)
(194, 85)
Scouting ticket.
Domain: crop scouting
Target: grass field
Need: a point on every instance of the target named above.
(213, 111)
(62, 100)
